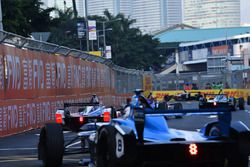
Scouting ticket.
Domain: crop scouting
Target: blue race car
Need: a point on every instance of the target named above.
(144, 139)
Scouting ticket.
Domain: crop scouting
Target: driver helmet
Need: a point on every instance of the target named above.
(138, 91)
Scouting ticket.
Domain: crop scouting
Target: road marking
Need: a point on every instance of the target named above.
(247, 111)
(16, 149)
(73, 144)
(212, 116)
(64, 132)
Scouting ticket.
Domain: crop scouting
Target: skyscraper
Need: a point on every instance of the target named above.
(150, 15)
(64, 4)
(212, 13)
(244, 11)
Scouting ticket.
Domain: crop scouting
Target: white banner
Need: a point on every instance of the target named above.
(108, 52)
(92, 29)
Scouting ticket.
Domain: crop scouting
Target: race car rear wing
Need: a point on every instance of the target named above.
(224, 117)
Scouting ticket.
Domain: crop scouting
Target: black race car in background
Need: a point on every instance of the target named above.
(221, 100)
(187, 96)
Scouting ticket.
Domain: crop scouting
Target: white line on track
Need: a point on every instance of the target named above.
(16, 149)
(73, 144)
(212, 116)
(64, 132)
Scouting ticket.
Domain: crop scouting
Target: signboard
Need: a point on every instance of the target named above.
(220, 50)
(92, 29)
(96, 53)
(108, 53)
(244, 74)
(80, 30)
(147, 83)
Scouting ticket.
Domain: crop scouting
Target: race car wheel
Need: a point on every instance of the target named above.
(108, 151)
(51, 145)
(214, 131)
(178, 106)
(248, 100)
(241, 103)
(233, 106)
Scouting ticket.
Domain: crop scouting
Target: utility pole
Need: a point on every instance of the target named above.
(87, 26)
(1, 18)
(74, 8)
(104, 39)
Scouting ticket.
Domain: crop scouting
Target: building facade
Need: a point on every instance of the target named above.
(64, 4)
(150, 15)
(212, 13)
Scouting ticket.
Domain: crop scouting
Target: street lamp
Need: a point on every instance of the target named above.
(104, 33)
(98, 36)
(86, 20)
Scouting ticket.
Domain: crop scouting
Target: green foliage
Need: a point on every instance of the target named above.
(130, 48)
(64, 30)
(25, 16)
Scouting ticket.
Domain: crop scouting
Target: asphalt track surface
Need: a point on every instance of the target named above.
(21, 150)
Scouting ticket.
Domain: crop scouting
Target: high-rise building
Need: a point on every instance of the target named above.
(150, 15)
(244, 12)
(212, 13)
(64, 4)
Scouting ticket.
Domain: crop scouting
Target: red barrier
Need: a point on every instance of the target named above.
(1, 76)
(20, 115)
(31, 74)
(33, 85)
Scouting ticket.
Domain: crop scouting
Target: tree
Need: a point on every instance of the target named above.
(64, 30)
(130, 48)
(25, 16)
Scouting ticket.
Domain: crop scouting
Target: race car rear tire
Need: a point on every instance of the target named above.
(106, 149)
(51, 145)
(241, 103)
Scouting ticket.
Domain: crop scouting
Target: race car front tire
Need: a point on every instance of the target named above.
(51, 145)
(248, 100)
(108, 153)
(178, 106)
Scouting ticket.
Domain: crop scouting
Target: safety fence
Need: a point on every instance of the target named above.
(36, 78)
(203, 80)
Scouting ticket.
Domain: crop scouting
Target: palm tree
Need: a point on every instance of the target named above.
(64, 30)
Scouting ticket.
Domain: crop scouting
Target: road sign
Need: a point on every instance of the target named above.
(92, 30)
(80, 30)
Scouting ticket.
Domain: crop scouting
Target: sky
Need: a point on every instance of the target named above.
(245, 11)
